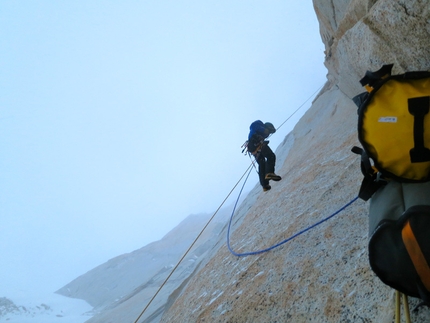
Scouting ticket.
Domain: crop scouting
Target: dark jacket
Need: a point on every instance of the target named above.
(258, 132)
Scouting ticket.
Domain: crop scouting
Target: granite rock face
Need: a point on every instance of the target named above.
(362, 35)
(322, 275)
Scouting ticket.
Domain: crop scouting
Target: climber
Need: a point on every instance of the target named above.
(260, 149)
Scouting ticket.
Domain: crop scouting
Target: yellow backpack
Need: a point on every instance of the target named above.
(394, 126)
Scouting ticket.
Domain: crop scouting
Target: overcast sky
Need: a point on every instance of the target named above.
(120, 118)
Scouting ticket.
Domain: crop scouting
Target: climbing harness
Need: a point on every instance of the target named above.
(248, 171)
(243, 254)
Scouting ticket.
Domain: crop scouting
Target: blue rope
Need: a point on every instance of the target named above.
(284, 241)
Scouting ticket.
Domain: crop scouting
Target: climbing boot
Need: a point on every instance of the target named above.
(266, 188)
(273, 177)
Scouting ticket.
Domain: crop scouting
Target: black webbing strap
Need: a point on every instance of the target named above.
(372, 180)
(419, 107)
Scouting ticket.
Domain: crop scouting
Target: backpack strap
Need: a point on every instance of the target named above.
(399, 252)
(416, 255)
(371, 79)
(419, 107)
(372, 180)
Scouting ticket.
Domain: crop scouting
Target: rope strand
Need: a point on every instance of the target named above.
(191, 246)
(284, 241)
(300, 107)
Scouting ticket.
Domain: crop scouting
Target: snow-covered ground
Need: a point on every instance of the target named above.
(25, 307)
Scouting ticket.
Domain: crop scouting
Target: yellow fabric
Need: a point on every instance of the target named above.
(388, 127)
(416, 255)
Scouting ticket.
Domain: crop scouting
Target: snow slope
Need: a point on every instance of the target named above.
(24, 307)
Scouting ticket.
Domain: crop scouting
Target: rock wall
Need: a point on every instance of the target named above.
(322, 275)
(362, 35)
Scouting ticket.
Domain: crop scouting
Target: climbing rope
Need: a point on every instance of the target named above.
(284, 241)
(210, 220)
(191, 246)
(397, 316)
(300, 106)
